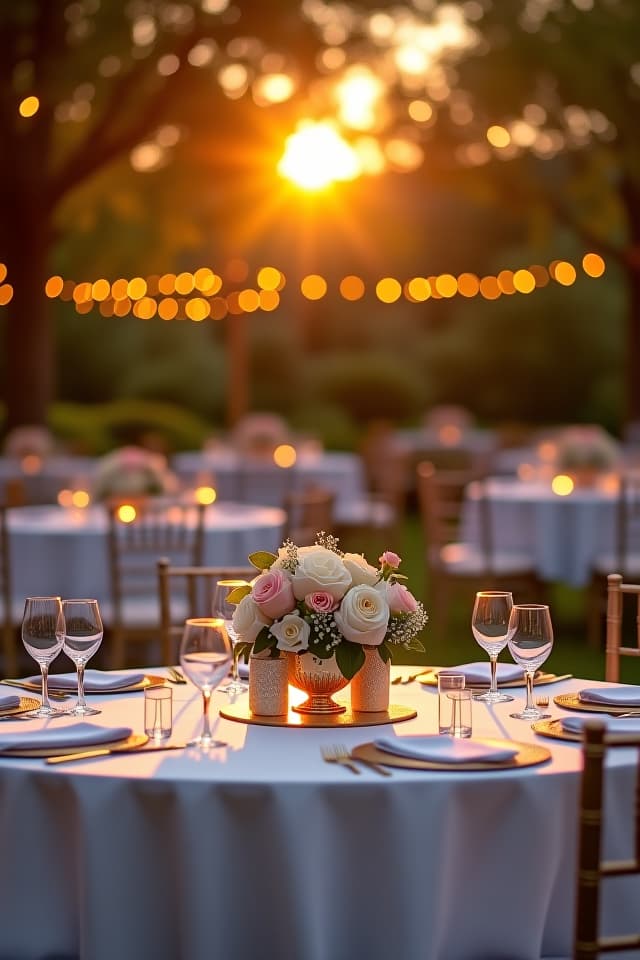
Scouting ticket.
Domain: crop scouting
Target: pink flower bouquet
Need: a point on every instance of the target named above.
(320, 600)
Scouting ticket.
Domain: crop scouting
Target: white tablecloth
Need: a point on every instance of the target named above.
(262, 850)
(254, 481)
(60, 551)
(562, 534)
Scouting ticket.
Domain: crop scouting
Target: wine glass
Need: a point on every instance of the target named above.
(225, 610)
(205, 657)
(489, 623)
(43, 636)
(530, 639)
(82, 637)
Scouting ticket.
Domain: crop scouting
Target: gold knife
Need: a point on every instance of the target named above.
(36, 688)
(106, 751)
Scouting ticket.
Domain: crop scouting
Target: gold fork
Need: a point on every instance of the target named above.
(411, 677)
(175, 675)
(542, 702)
(339, 755)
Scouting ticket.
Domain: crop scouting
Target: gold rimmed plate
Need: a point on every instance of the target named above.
(26, 704)
(571, 701)
(133, 742)
(349, 718)
(528, 755)
(149, 680)
(553, 729)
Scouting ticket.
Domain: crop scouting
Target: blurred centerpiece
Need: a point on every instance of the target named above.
(584, 452)
(132, 472)
(330, 612)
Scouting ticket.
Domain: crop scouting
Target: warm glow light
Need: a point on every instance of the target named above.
(547, 451)
(80, 499)
(388, 290)
(565, 273)
(184, 283)
(53, 286)
(359, 94)
(167, 308)
(6, 294)
(269, 300)
(316, 156)
(249, 300)
(524, 281)
(65, 498)
(273, 88)
(205, 494)
(127, 513)
(29, 106)
(450, 435)
(284, 455)
(593, 265)
(498, 137)
(351, 288)
(468, 285)
(136, 288)
(197, 309)
(446, 285)
(419, 288)
(269, 278)
(100, 290)
(313, 287)
(562, 485)
(31, 464)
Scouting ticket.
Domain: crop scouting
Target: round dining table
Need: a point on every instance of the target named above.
(60, 550)
(261, 849)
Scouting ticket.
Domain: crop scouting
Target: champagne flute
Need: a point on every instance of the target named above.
(222, 608)
(43, 636)
(530, 639)
(489, 623)
(82, 637)
(205, 657)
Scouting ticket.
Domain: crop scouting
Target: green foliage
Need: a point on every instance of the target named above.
(370, 386)
(329, 422)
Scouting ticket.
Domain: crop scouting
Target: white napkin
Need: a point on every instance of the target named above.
(622, 695)
(480, 672)
(613, 724)
(74, 735)
(94, 680)
(9, 701)
(445, 749)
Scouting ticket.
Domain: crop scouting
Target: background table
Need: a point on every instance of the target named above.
(562, 534)
(263, 850)
(64, 551)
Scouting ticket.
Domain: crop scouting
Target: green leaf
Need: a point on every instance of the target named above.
(385, 652)
(243, 650)
(262, 559)
(264, 641)
(350, 658)
(319, 648)
(416, 645)
(238, 593)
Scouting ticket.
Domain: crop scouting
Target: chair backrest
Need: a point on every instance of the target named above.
(9, 654)
(187, 591)
(615, 648)
(441, 495)
(308, 512)
(592, 866)
(160, 528)
(627, 532)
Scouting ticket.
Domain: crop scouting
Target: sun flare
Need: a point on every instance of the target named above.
(316, 156)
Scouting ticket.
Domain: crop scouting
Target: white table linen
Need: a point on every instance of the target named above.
(264, 850)
(64, 551)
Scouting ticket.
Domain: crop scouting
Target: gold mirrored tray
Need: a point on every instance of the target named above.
(350, 718)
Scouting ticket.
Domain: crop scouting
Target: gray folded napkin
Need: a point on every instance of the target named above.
(622, 695)
(9, 701)
(74, 735)
(613, 724)
(94, 680)
(480, 672)
(445, 749)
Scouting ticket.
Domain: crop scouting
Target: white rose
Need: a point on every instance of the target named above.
(363, 615)
(360, 569)
(248, 619)
(320, 569)
(292, 633)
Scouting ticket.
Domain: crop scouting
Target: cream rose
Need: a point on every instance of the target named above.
(320, 569)
(360, 569)
(363, 615)
(291, 633)
(248, 619)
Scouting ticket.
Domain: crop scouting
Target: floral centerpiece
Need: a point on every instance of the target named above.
(586, 448)
(320, 601)
(133, 472)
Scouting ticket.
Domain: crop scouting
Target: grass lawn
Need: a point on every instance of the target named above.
(570, 653)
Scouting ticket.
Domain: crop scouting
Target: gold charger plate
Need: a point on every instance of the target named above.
(132, 742)
(571, 701)
(350, 718)
(26, 704)
(553, 728)
(528, 755)
(149, 680)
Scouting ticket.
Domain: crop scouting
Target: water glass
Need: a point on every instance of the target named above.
(205, 658)
(158, 712)
(450, 685)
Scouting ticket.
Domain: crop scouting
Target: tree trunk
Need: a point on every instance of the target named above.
(30, 355)
(631, 198)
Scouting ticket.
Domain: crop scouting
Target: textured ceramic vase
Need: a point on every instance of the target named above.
(371, 684)
(268, 686)
(319, 679)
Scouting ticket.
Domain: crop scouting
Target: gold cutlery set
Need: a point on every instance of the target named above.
(338, 753)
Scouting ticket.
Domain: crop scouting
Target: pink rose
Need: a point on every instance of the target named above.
(391, 559)
(400, 599)
(321, 602)
(273, 593)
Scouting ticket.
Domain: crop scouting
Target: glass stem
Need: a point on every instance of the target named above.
(493, 660)
(234, 665)
(529, 679)
(206, 729)
(81, 700)
(44, 670)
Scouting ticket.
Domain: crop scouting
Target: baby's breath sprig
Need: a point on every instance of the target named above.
(329, 542)
(324, 631)
(290, 559)
(405, 627)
